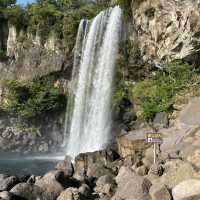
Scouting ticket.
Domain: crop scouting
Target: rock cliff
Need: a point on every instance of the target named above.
(168, 30)
(29, 57)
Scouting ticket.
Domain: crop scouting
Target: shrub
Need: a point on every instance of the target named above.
(157, 93)
(126, 6)
(30, 98)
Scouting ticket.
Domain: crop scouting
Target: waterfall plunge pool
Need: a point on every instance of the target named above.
(18, 165)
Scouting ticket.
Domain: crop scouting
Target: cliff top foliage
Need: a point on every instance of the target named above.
(58, 17)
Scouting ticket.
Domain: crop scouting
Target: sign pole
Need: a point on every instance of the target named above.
(154, 153)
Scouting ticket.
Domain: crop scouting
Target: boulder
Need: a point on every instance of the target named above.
(7, 196)
(30, 192)
(88, 163)
(132, 143)
(187, 190)
(131, 186)
(159, 191)
(161, 120)
(84, 190)
(124, 174)
(66, 166)
(70, 194)
(142, 170)
(97, 170)
(105, 184)
(177, 171)
(156, 169)
(50, 184)
(190, 115)
(195, 158)
(8, 182)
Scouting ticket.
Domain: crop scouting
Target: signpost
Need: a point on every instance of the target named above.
(155, 138)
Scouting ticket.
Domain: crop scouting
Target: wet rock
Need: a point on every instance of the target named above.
(159, 191)
(8, 183)
(70, 194)
(42, 133)
(66, 166)
(30, 192)
(187, 190)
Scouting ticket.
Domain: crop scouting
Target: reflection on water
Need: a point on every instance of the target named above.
(19, 166)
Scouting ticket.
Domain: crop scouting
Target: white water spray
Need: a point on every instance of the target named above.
(88, 119)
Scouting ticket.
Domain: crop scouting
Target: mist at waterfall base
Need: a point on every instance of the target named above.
(88, 116)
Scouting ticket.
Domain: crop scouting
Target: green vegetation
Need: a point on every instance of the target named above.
(30, 98)
(156, 93)
(46, 17)
(126, 6)
(128, 52)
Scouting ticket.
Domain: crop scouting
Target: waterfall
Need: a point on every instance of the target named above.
(88, 117)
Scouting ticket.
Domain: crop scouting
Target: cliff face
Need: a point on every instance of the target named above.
(29, 58)
(168, 30)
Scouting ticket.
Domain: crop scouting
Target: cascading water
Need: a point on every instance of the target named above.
(88, 119)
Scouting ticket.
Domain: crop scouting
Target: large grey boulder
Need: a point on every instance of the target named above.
(8, 182)
(70, 194)
(190, 115)
(97, 170)
(159, 191)
(131, 186)
(132, 142)
(7, 196)
(161, 120)
(30, 192)
(177, 171)
(94, 164)
(105, 184)
(66, 166)
(187, 190)
(194, 158)
(50, 184)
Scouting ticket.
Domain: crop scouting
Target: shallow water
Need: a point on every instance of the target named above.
(20, 166)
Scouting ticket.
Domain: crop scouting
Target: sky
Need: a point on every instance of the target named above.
(24, 2)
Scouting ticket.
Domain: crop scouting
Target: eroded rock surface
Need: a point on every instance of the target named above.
(168, 30)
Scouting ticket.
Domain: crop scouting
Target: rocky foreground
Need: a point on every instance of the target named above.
(127, 173)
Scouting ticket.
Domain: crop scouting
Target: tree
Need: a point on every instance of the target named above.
(7, 3)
